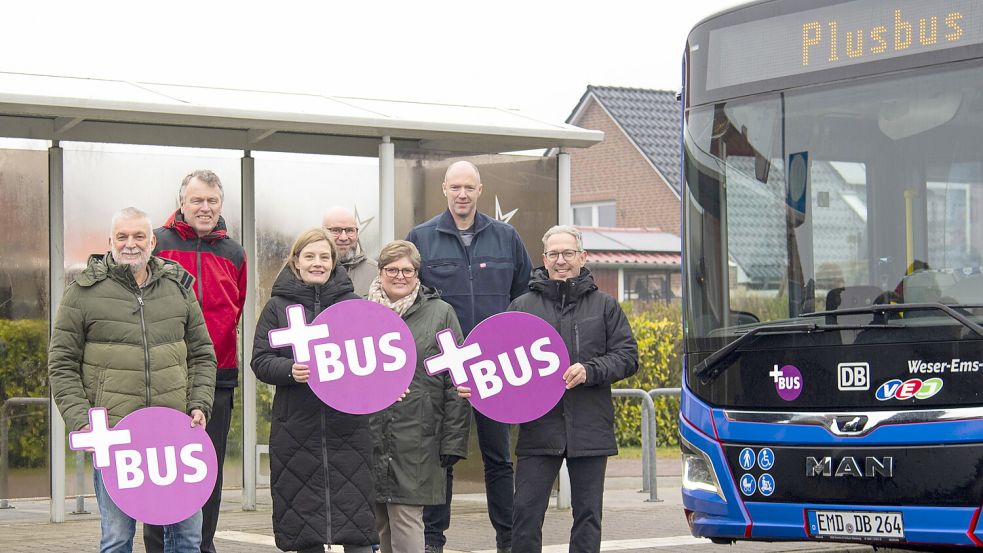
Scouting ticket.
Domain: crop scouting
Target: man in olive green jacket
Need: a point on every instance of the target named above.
(129, 334)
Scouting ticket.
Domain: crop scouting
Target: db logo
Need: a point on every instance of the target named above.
(853, 376)
(352, 348)
(911, 388)
(513, 362)
(156, 468)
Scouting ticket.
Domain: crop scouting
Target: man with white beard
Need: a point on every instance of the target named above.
(343, 229)
(128, 335)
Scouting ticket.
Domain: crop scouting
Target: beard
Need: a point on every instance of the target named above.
(348, 255)
(137, 265)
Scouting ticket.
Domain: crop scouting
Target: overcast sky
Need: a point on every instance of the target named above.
(534, 56)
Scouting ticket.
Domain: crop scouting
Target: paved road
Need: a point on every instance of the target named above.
(630, 524)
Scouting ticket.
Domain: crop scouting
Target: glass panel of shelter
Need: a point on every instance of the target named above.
(24, 318)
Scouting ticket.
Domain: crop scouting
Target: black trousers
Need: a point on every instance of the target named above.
(534, 477)
(217, 428)
(496, 454)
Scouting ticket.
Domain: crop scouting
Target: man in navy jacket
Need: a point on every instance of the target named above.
(479, 265)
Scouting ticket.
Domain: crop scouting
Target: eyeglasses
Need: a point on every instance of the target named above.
(393, 272)
(568, 255)
(336, 231)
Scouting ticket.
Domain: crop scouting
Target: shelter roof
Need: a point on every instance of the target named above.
(56, 107)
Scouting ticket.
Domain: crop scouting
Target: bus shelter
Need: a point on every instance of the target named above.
(75, 150)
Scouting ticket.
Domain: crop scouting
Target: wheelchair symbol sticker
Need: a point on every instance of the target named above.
(766, 459)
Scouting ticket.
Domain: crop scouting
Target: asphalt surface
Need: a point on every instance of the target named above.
(631, 523)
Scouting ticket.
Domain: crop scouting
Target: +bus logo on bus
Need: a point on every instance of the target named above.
(788, 382)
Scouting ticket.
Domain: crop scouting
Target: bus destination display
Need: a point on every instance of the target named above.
(837, 36)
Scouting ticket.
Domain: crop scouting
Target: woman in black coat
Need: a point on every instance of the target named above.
(320, 458)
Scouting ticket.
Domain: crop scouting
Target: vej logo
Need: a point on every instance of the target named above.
(155, 466)
(513, 362)
(911, 388)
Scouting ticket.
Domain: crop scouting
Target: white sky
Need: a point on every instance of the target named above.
(535, 56)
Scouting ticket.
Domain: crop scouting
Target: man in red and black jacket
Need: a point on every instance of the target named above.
(196, 237)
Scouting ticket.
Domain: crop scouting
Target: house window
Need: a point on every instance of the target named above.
(651, 285)
(594, 214)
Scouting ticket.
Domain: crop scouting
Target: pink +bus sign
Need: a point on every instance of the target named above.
(155, 466)
(513, 362)
(361, 354)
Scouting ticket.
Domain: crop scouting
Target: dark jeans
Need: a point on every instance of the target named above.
(217, 428)
(534, 476)
(493, 441)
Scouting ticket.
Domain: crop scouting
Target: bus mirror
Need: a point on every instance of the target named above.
(906, 117)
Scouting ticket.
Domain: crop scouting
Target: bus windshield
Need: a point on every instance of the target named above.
(824, 198)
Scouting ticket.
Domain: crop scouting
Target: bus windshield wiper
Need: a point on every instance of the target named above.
(956, 312)
(711, 367)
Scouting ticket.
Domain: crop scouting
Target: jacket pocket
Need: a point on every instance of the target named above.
(589, 338)
(428, 416)
(100, 388)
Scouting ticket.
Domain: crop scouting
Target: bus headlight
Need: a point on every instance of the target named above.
(698, 473)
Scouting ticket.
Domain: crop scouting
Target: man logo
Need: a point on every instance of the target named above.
(853, 376)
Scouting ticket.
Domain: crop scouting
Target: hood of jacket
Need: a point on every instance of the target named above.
(290, 287)
(176, 221)
(102, 266)
(562, 290)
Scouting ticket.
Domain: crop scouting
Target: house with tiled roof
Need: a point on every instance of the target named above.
(631, 179)
(634, 263)
(625, 190)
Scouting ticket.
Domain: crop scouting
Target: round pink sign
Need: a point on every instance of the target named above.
(513, 362)
(361, 354)
(155, 466)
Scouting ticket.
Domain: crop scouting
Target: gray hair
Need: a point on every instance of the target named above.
(204, 175)
(398, 249)
(130, 213)
(565, 229)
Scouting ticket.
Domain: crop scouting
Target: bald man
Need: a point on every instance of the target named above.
(479, 265)
(343, 228)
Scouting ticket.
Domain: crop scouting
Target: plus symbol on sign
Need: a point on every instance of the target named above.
(298, 334)
(775, 374)
(98, 438)
(451, 357)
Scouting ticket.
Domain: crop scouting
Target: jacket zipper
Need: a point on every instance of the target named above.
(146, 346)
(467, 257)
(201, 291)
(317, 301)
(576, 339)
(327, 477)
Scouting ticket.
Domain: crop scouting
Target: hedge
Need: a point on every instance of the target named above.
(658, 330)
(24, 373)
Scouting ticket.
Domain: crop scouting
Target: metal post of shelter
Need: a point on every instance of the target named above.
(564, 214)
(56, 287)
(249, 466)
(387, 191)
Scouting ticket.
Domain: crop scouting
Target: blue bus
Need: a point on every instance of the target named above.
(833, 293)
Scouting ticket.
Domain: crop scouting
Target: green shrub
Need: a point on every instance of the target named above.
(659, 332)
(24, 373)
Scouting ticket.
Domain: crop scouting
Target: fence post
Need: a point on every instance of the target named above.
(3, 457)
(79, 484)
